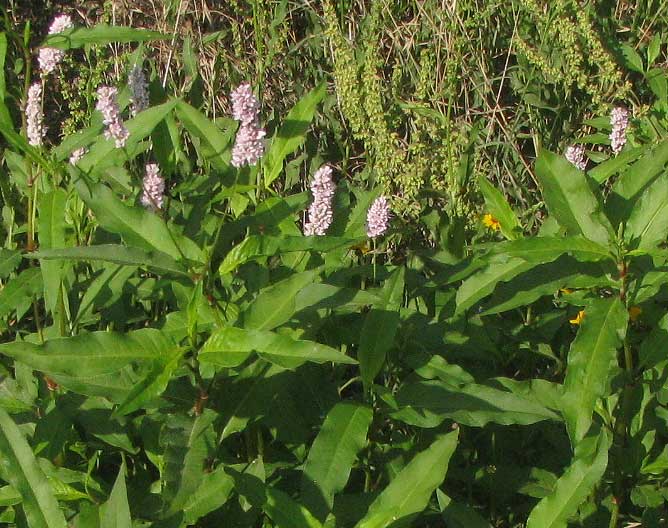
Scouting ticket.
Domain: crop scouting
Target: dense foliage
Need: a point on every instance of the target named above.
(217, 320)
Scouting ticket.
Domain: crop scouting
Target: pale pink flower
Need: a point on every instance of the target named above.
(248, 145)
(153, 188)
(378, 217)
(320, 212)
(245, 106)
(139, 89)
(620, 122)
(576, 155)
(108, 106)
(77, 154)
(34, 116)
(49, 58)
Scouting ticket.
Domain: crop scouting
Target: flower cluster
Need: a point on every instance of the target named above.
(108, 106)
(320, 213)
(139, 89)
(34, 115)
(49, 58)
(77, 155)
(490, 222)
(620, 122)
(249, 145)
(153, 188)
(576, 155)
(378, 217)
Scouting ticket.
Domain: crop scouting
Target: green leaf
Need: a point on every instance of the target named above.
(292, 133)
(574, 486)
(409, 492)
(18, 292)
(428, 403)
(95, 363)
(257, 246)
(9, 261)
(212, 493)
(590, 359)
(546, 249)
(497, 206)
(481, 284)
(229, 344)
(458, 515)
(648, 223)
(281, 509)
(3, 56)
(331, 457)
(138, 226)
(115, 513)
(103, 153)
(100, 35)
(380, 327)
(116, 254)
(52, 235)
(635, 180)
(18, 142)
(276, 304)
(153, 384)
(186, 441)
(570, 199)
(632, 59)
(604, 170)
(20, 469)
(214, 145)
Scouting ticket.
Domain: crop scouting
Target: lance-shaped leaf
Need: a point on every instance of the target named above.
(93, 364)
(590, 359)
(9, 261)
(497, 206)
(648, 224)
(212, 493)
(100, 35)
(292, 133)
(428, 403)
(499, 268)
(546, 249)
(228, 345)
(331, 457)
(20, 468)
(115, 513)
(115, 253)
(409, 492)
(278, 505)
(630, 185)
(18, 292)
(138, 226)
(570, 199)
(380, 327)
(214, 144)
(276, 304)
(574, 486)
(256, 246)
(52, 235)
(188, 441)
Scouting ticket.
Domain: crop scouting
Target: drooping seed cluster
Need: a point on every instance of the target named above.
(620, 122)
(139, 88)
(153, 188)
(576, 155)
(248, 145)
(108, 106)
(378, 217)
(34, 115)
(49, 58)
(320, 213)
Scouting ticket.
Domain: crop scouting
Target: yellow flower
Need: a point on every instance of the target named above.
(490, 222)
(634, 313)
(578, 318)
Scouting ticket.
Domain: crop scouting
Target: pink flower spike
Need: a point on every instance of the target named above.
(153, 188)
(320, 212)
(378, 217)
